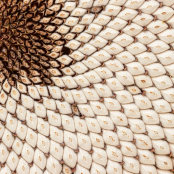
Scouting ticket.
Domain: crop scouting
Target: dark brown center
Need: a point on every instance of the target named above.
(26, 41)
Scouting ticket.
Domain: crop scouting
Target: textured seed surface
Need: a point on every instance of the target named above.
(86, 87)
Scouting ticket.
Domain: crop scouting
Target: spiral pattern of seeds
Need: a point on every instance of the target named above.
(86, 86)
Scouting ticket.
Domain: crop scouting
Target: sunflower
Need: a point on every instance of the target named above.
(86, 86)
